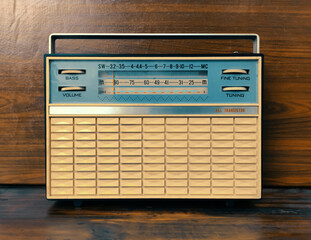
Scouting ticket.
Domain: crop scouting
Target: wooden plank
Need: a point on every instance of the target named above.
(282, 214)
(284, 28)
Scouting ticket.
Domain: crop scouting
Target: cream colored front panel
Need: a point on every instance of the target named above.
(154, 157)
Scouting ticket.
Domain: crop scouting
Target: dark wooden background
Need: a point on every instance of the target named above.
(284, 27)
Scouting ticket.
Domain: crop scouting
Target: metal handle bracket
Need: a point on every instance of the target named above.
(254, 37)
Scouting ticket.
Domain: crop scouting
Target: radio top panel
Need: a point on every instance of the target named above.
(153, 79)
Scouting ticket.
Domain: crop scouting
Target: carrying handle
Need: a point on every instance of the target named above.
(252, 36)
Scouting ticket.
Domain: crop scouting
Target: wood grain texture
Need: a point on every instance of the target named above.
(284, 27)
(281, 214)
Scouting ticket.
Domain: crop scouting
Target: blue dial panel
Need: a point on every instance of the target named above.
(139, 81)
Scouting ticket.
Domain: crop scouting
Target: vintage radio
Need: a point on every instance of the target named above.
(153, 126)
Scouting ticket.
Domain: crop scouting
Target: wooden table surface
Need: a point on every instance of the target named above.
(283, 213)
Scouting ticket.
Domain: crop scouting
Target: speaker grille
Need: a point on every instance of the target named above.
(154, 157)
